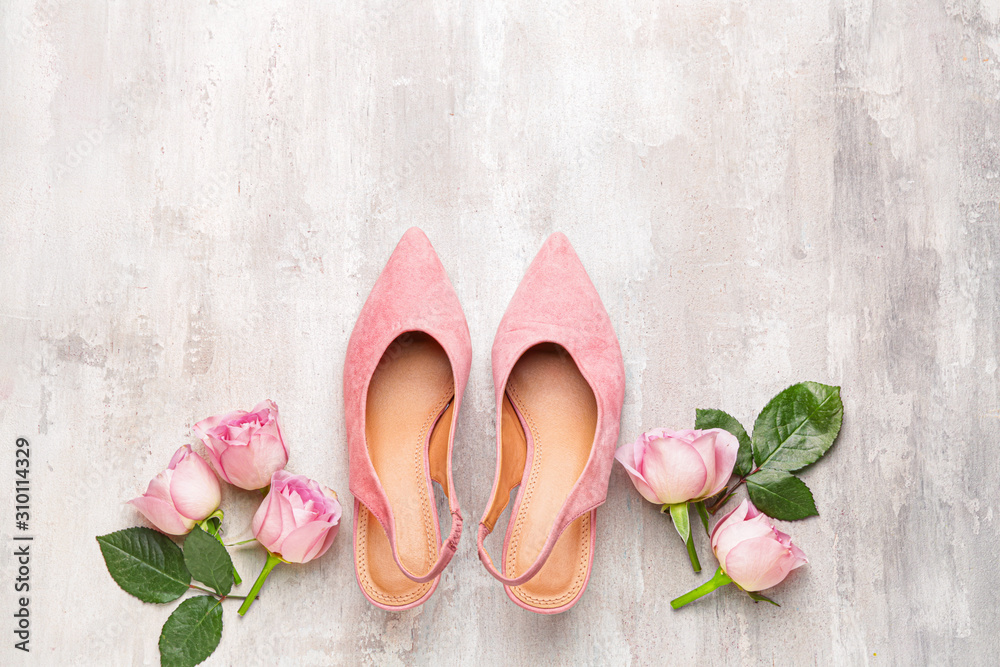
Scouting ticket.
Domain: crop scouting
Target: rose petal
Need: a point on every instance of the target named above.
(216, 444)
(638, 452)
(644, 489)
(238, 435)
(327, 541)
(268, 406)
(302, 516)
(335, 511)
(295, 548)
(162, 515)
(277, 430)
(280, 479)
(182, 453)
(673, 470)
(159, 486)
(321, 546)
(736, 516)
(194, 488)
(265, 524)
(316, 493)
(705, 446)
(242, 470)
(687, 435)
(213, 456)
(626, 456)
(271, 453)
(273, 521)
(758, 564)
(739, 532)
(726, 449)
(798, 557)
(204, 427)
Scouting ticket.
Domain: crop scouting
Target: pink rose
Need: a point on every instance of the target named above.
(298, 519)
(245, 448)
(180, 496)
(751, 551)
(672, 467)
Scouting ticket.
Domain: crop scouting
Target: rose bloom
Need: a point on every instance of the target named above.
(298, 519)
(180, 496)
(754, 553)
(671, 467)
(246, 448)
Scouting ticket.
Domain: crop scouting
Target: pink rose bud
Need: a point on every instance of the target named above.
(180, 496)
(246, 448)
(298, 519)
(754, 553)
(671, 467)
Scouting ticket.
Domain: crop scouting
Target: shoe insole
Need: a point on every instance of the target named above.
(559, 411)
(408, 417)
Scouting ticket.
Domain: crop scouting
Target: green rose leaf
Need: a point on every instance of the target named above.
(797, 427)
(706, 419)
(781, 495)
(236, 575)
(757, 597)
(145, 563)
(208, 561)
(192, 632)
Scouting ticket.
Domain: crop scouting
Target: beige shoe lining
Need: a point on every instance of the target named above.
(410, 394)
(560, 411)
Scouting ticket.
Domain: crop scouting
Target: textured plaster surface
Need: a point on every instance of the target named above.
(196, 197)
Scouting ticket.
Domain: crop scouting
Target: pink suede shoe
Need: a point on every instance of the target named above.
(406, 369)
(560, 384)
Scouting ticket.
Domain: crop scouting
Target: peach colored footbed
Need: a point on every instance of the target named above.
(559, 409)
(408, 418)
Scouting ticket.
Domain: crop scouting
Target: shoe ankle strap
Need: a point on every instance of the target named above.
(539, 563)
(446, 551)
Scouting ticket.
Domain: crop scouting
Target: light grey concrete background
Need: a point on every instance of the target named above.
(197, 197)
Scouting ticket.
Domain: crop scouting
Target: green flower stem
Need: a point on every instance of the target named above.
(728, 493)
(213, 593)
(682, 522)
(692, 554)
(272, 560)
(720, 579)
(236, 544)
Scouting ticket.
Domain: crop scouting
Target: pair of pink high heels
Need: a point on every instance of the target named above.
(560, 382)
